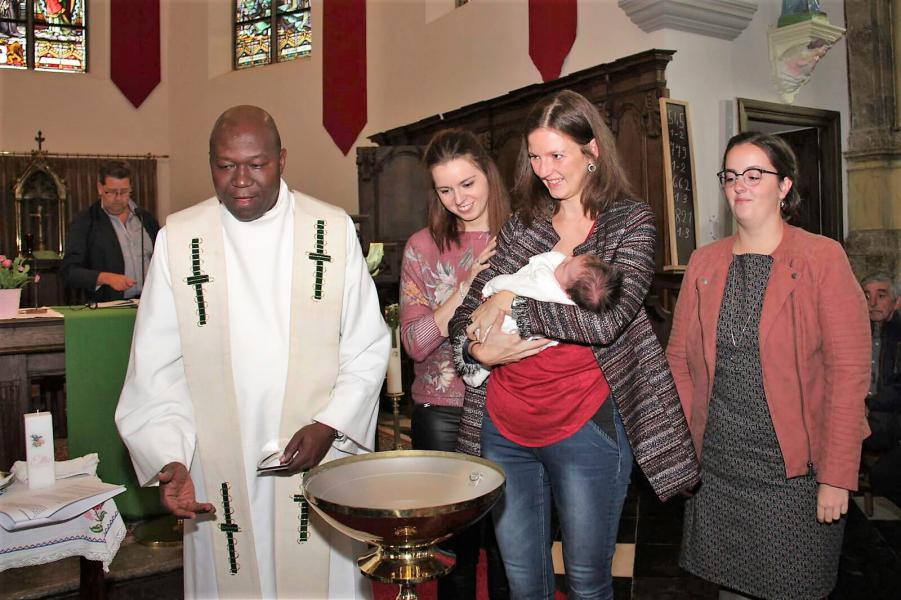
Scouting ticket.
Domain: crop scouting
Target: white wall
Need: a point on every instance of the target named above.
(86, 113)
(418, 65)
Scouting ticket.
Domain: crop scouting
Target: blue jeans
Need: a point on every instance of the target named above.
(435, 428)
(587, 475)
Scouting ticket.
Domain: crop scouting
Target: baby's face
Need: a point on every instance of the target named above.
(568, 271)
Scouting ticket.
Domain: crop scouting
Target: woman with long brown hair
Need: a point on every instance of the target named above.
(557, 421)
(466, 207)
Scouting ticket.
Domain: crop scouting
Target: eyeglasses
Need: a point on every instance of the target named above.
(751, 176)
(125, 192)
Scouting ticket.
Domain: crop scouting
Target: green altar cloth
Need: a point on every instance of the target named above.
(97, 346)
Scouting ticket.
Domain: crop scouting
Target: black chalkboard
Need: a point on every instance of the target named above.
(681, 200)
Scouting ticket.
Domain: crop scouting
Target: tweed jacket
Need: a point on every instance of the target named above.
(623, 342)
(814, 351)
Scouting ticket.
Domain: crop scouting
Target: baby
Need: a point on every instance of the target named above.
(585, 281)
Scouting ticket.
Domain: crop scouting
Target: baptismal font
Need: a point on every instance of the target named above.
(403, 503)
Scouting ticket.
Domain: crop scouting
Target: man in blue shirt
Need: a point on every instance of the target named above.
(108, 246)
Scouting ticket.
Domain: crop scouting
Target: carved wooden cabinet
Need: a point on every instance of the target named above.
(393, 184)
(393, 187)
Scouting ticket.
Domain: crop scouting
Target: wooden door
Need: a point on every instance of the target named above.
(806, 144)
(815, 135)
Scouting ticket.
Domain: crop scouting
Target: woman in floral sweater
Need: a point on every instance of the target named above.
(466, 209)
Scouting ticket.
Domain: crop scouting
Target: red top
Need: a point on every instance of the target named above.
(547, 397)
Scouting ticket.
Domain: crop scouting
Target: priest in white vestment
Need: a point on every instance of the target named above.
(258, 330)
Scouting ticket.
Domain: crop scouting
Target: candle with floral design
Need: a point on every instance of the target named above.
(39, 450)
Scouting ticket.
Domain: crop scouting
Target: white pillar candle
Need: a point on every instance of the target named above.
(395, 381)
(39, 450)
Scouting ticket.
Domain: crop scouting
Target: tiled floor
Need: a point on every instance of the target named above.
(137, 573)
(871, 559)
(870, 567)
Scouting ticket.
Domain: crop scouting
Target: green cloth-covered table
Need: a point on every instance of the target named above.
(97, 346)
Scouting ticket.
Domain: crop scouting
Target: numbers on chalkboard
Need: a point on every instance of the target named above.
(676, 119)
(680, 183)
(679, 152)
(683, 216)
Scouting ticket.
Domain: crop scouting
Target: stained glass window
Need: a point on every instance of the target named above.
(264, 36)
(44, 35)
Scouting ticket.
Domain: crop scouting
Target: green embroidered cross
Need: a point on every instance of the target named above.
(303, 518)
(230, 528)
(197, 279)
(320, 257)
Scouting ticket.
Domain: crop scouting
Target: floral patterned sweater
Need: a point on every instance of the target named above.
(428, 278)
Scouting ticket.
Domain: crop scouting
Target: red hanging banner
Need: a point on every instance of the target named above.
(135, 47)
(344, 70)
(552, 31)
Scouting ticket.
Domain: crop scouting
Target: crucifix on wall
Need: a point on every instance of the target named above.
(38, 229)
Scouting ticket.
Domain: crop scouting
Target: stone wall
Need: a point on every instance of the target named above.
(874, 144)
(874, 250)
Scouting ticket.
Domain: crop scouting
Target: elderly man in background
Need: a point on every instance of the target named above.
(884, 398)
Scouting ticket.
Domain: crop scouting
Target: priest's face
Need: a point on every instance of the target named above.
(247, 166)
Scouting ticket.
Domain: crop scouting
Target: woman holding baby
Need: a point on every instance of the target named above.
(564, 420)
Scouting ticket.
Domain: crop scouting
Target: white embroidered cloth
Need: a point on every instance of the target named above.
(84, 465)
(95, 534)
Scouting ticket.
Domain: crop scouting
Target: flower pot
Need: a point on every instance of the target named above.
(9, 302)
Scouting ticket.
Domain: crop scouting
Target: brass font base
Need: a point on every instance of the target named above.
(406, 566)
(160, 532)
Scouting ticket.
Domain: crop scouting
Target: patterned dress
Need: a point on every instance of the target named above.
(748, 527)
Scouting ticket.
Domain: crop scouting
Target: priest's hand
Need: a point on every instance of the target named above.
(308, 447)
(177, 492)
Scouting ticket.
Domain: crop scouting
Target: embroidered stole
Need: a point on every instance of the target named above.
(197, 264)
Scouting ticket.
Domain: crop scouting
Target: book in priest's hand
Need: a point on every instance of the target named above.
(270, 462)
(22, 508)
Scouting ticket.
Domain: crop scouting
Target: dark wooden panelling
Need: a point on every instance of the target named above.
(626, 92)
(393, 186)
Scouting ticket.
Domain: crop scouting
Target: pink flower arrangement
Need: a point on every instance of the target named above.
(14, 273)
